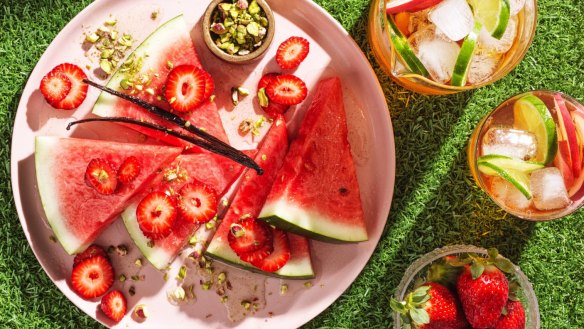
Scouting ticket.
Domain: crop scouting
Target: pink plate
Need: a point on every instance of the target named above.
(332, 52)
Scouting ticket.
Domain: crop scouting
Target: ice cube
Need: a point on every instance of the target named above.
(453, 17)
(514, 143)
(515, 6)
(548, 189)
(488, 43)
(482, 66)
(507, 194)
(438, 54)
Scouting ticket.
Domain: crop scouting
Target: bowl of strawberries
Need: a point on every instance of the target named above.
(464, 286)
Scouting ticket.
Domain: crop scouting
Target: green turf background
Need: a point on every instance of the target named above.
(435, 201)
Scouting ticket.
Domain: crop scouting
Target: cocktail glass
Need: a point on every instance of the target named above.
(527, 155)
(382, 39)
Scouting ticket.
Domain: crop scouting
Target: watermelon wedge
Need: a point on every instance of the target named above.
(214, 170)
(168, 46)
(76, 212)
(316, 193)
(248, 201)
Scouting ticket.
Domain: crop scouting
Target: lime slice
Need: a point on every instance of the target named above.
(506, 163)
(465, 56)
(493, 14)
(519, 179)
(404, 51)
(531, 114)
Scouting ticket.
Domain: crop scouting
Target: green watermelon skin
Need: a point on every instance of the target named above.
(170, 43)
(316, 193)
(214, 170)
(248, 201)
(76, 212)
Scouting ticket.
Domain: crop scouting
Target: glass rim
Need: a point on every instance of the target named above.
(548, 216)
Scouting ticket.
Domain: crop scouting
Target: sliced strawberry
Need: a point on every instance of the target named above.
(249, 235)
(114, 305)
(209, 85)
(197, 202)
(185, 87)
(279, 257)
(78, 91)
(92, 277)
(101, 175)
(292, 52)
(55, 87)
(286, 89)
(156, 214)
(273, 109)
(91, 251)
(129, 169)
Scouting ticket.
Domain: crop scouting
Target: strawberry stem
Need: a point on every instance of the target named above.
(230, 152)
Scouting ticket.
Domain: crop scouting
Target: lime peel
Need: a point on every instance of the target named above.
(464, 58)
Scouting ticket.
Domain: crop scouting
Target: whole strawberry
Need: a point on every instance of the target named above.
(483, 289)
(513, 316)
(431, 306)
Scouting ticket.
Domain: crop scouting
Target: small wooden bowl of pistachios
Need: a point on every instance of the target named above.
(238, 31)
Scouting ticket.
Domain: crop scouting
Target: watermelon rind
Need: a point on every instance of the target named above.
(284, 214)
(161, 38)
(49, 199)
(296, 269)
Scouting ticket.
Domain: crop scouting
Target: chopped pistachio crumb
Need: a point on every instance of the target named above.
(140, 311)
(132, 291)
(264, 157)
(308, 284)
(154, 15)
(224, 299)
(138, 262)
(122, 278)
(165, 276)
(193, 240)
(206, 285)
(182, 273)
(263, 97)
(283, 289)
(245, 304)
(221, 277)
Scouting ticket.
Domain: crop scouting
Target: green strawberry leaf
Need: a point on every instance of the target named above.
(493, 253)
(477, 269)
(420, 300)
(419, 316)
(397, 306)
(505, 265)
(421, 291)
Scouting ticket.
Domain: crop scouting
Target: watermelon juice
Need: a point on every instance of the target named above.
(528, 155)
(448, 46)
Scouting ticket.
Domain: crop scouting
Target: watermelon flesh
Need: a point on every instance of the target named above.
(76, 212)
(248, 201)
(316, 193)
(168, 46)
(213, 170)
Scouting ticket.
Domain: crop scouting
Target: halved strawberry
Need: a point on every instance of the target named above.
(286, 89)
(279, 257)
(78, 91)
(101, 175)
(249, 235)
(92, 277)
(209, 85)
(292, 52)
(114, 305)
(55, 87)
(185, 87)
(197, 202)
(129, 169)
(266, 79)
(156, 214)
(91, 251)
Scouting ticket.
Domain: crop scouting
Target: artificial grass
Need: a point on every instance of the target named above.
(436, 203)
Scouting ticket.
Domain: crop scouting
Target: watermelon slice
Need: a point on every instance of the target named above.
(248, 202)
(168, 46)
(316, 193)
(214, 170)
(76, 212)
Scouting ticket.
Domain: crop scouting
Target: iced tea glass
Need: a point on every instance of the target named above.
(380, 38)
(527, 155)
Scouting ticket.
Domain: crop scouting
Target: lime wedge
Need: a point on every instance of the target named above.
(404, 51)
(519, 179)
(531, 114)
(493, 14)
(506, 163)
(465, 56)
